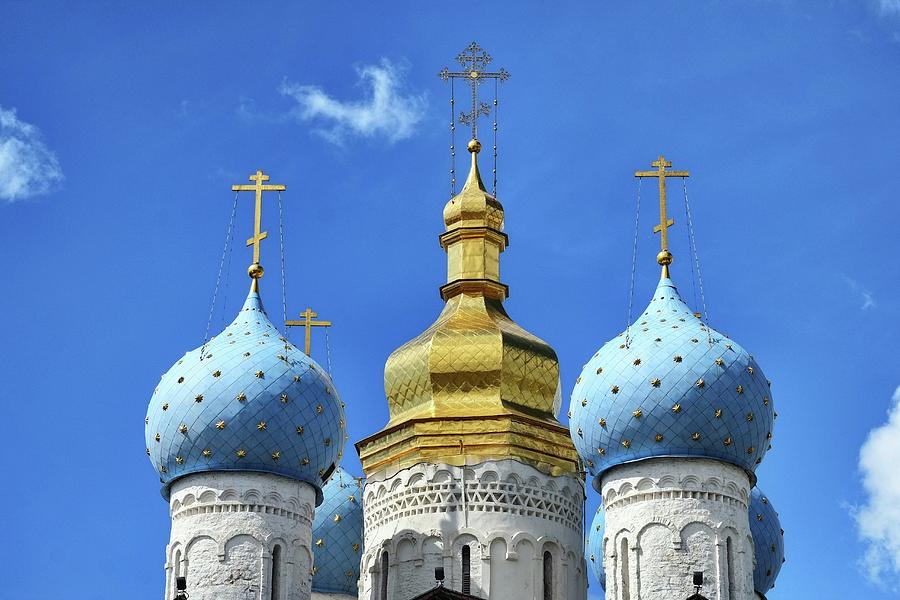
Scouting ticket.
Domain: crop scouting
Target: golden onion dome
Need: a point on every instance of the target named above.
(474, 385)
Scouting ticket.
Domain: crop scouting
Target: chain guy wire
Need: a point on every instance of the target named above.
(227, 286)
(281, 244)
(637, 220)
(452, 141)
(496, 116)
(212, 305)
(328, 363)
(696, 257)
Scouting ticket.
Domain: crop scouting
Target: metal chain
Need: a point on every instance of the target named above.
(227, 285)
(212, 305)
(496, 116)
(687, 209)
(281, 244)
(452, 141)
(328, 364)
(637, 220)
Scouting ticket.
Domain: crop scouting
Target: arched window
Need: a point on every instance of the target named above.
(548, 576)
(466, 570)
(623, 573)
(729, 556)
(384, 575)
(276, 573)
(176, 572)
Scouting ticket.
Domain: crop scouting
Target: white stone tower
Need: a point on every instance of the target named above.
(473, 473)
(243, 432)
(672, 418)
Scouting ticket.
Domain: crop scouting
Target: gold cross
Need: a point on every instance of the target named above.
(256, 270)
(307, 322)
(474, 60)
(664, 257)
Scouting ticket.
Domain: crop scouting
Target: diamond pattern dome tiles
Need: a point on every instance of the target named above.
(338, 536)
(768, 541)
(253, 402)
(677, 388)
(594, 547)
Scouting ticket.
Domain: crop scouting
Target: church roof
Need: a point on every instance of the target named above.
(338, 536)
(768, 541)
(671, 386)
(245, 401)
(442, 593)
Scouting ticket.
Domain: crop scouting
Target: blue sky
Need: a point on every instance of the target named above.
(123, 126)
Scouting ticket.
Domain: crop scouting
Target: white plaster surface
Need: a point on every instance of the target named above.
(510, 514)
(675, 516)
(225, 528)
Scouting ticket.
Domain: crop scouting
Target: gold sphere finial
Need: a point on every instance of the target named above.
(664, 258)
(474, 146)
(255, 271)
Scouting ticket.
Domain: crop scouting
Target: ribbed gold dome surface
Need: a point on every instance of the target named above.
(474, 385)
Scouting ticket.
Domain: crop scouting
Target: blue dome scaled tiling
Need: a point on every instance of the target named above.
(768, 541)
(252, 402)
(338, 536)
(594, 548)
(678, 388)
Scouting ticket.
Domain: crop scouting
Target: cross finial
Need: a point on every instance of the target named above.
(474, 60)
(256, 271)
(664, 257)
(308, 323)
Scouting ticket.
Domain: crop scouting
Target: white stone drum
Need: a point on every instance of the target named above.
(240, 536)
(514, 532)
(669, 517)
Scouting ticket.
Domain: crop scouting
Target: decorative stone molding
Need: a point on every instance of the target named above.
(413, 492)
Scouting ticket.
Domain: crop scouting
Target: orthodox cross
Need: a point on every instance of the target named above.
(258, 236)
(664, 257)
(474, 60)
(308, 323)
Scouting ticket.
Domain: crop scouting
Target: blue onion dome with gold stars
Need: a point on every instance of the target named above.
(671, 386)
(248, 400)
(338, 536)
(594, 547)
(768, 542)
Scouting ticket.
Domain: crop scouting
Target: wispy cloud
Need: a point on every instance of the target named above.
(888, 7)
(27, 167)
(878, 520)
(866, 297)
(386, 110)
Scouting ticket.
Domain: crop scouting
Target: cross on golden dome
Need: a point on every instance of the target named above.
(256, 271)
(474, 60)
(664, 257)
(308, 323)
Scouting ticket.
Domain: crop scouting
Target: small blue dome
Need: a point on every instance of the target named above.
(595, 547)
(250, 402)
(768, 541)
(338, 536)
(677, 388)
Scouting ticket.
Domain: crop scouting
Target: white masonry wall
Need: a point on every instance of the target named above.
(509, 516)
(669, 517)
(226, 527)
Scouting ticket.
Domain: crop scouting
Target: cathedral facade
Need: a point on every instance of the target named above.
(473, 488)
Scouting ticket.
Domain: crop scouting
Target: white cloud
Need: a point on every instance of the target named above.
(27, 167)
(866, 298)
(878, 520)
(889, 7)
(384, 111)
